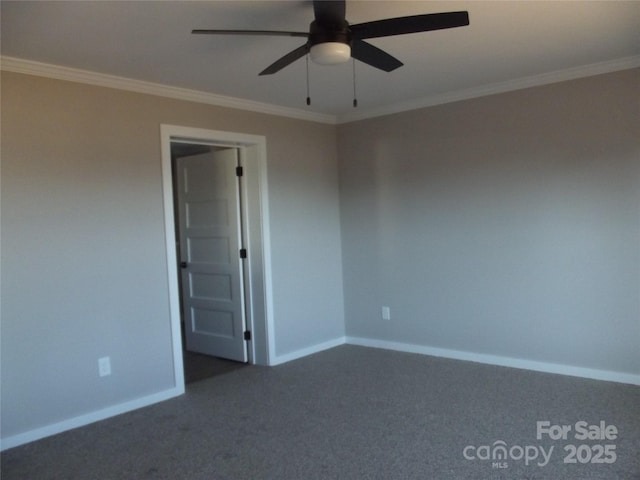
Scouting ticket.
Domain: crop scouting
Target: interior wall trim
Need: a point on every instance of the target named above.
(564, 75)
(29, 67)
(91, 417)
(288, 357)
(256, 224)
(546, 367)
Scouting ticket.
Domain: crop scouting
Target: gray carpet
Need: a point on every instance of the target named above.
(197, 366)
(350, 413)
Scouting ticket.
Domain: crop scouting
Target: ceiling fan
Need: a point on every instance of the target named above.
(331, 40)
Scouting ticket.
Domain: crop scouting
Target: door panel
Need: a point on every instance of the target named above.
(210, 241)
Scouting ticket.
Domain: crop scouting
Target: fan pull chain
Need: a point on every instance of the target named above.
(355, 100)
(308, 97)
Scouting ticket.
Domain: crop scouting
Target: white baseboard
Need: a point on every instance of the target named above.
(88, 418)
(82, 420)
(498, 360)
(287, 357)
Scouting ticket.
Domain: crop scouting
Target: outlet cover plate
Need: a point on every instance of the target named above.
(104, 366)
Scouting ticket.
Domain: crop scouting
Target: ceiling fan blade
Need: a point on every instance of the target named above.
(412, 24)
(329, 11)
(288, 59)
(367, 53)
(250, 32)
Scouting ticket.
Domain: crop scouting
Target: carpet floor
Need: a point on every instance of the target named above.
(358, 413)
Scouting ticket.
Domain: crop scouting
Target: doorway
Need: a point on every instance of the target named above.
(207, 181)
(218, 261)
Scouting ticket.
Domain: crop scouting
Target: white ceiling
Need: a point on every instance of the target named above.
(151, 41)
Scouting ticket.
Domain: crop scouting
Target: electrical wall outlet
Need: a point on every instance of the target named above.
(104, 366)
(386, 313)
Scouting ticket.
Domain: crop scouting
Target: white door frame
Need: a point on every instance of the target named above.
(255, 218)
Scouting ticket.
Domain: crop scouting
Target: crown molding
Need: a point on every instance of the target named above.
(495, 88)
(30, 67)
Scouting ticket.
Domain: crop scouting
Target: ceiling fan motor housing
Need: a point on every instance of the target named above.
(335, 32)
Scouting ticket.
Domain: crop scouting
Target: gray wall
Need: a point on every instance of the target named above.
(507, 225)
(83, 254)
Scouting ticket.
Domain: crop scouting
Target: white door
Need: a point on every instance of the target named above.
(209, 245)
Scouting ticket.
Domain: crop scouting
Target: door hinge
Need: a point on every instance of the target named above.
(243, 253)
(247, 335)
(239, 171)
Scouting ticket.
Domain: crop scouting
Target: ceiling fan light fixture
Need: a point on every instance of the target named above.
(331, 39)
(330, 53)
